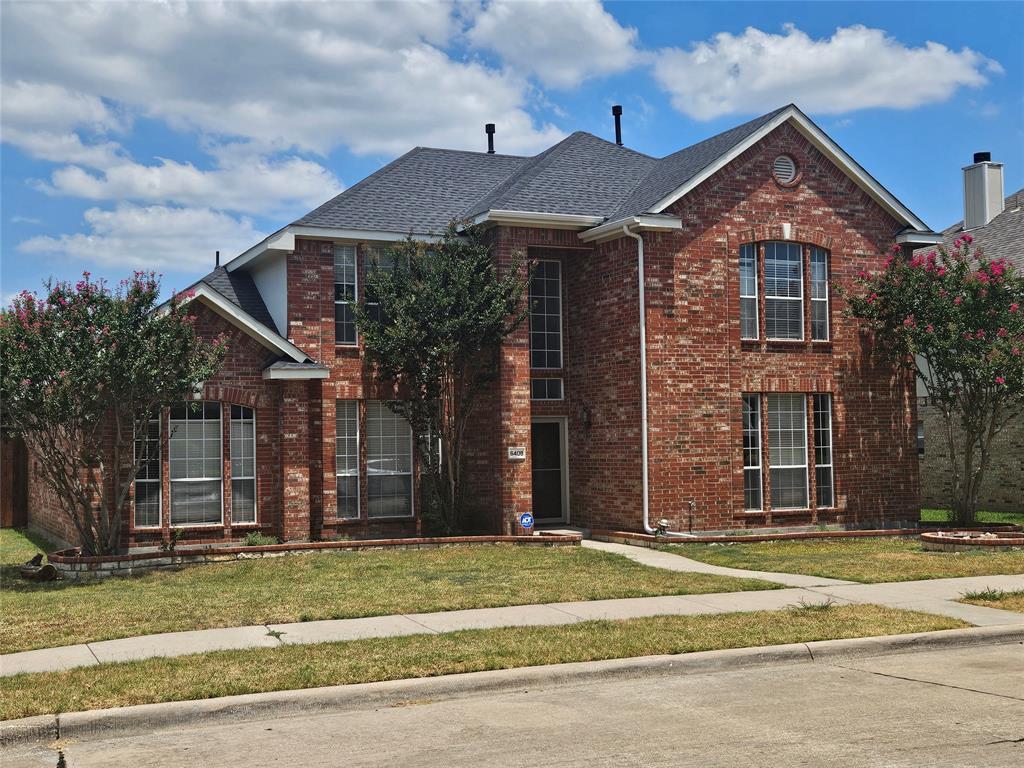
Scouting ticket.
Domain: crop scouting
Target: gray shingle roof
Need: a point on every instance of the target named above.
(239, 288)
(1003, 237)
(420, 192)
(673, 171)
(582, 174)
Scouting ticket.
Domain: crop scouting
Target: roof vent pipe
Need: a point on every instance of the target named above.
(489, 130)
(216, 259)
(617, 112)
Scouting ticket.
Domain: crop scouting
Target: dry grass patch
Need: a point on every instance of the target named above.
(226, 673)
(868, 560)
(330, 585)
(997, 598)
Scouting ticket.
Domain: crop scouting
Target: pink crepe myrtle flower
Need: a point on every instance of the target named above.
(1002, 332)
(1014, 307)
(958, 300)
(941, 271)
(1000, 380)
(967, 239)
(930, 328)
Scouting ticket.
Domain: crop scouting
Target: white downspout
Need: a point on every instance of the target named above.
(643, 370)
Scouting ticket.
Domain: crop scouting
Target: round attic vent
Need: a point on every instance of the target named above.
(784, 169)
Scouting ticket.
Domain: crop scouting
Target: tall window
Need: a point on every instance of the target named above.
(819, 294)
(147, 482)
(346, 457)
(748, 291)
(752, 452)
(787, 450)
(388, 462)
(823, 450)
(194, 445)
(344, 294)
(783, 290)
(546, 315)
(377, 257)
(243, 464)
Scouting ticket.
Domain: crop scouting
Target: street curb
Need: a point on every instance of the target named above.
(146, 718)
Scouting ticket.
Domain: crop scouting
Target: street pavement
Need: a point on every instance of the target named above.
(951, 708)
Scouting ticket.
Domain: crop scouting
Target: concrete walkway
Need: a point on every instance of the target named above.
(934, 596)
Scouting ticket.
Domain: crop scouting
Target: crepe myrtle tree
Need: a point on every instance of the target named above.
(85, 368)
(433, 321)
(956, 317)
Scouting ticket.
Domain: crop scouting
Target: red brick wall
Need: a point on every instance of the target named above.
(698, 366)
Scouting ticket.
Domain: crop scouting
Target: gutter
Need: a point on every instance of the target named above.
(643, 372)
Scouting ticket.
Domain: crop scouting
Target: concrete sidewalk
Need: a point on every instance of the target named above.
(936, 596)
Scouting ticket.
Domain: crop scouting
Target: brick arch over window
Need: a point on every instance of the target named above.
(774, 232)
(236, 395)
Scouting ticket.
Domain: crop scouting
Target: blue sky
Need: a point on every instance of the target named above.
(146, 136)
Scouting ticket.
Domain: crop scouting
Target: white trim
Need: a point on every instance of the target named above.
(563, 437)
(242, 319)
(613, 229)
(295, 374)
(529, 218)
(359, 483)
(822, 142)
(919, 238)
(283, 240)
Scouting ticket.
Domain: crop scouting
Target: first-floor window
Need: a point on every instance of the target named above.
(787, 450)
(147, 481)
(346, 457)
(243, 464)
(751, 451)
(823, 450)
(195, 464)
(388, 462)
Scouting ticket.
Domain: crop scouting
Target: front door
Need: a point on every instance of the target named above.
(547, 449)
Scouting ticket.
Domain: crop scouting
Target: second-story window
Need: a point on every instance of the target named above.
(783, 291)
(377, 257)
(546, 315)
(344, 294)
(819, 294)
(748, 291)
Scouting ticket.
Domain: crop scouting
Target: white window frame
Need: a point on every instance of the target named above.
(172, 481)
(347, 473)
(827, 399)
(158, 480)
(355, 291)
(561, 321)
(800, 298)
(826, 257)
(755, 433)
(412, 466)
(753, 248)
(255, 483)
(802, 399)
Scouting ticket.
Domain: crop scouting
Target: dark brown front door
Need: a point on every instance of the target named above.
(546, 462)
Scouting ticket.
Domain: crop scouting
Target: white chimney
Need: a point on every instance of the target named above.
(983, 191)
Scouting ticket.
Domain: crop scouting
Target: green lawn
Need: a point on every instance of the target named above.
(225, 673)
(867, 560)
(942, 516)
(332, 585)
(997, 598)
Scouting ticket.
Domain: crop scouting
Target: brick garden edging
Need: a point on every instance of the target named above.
(948, 541)
(650, 540)
(73, 565)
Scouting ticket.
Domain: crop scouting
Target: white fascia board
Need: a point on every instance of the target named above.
(538, 219)
(242, 319)
(359, 235)
(282, 241)
(824, 144)
(642, 223)
(920, 238)
(295, 374)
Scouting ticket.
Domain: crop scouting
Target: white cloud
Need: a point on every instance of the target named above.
(856, 68)
(369, 76)
(561, 43)
(248, 184)
(153, 237)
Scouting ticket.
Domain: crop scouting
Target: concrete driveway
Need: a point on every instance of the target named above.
(962, 707)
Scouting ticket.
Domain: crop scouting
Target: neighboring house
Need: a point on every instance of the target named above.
(686, 357)
(997, 226)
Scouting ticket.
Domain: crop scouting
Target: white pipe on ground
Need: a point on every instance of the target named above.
(643, 371)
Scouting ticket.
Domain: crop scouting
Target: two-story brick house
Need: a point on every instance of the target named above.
(686, 356)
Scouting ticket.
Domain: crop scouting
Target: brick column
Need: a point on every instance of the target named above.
(295, 440)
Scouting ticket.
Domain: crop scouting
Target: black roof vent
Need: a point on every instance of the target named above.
(617, 112)
(983, 157)
(489, 130)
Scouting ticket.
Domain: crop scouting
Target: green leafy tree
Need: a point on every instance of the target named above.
(84, 371)
(433, 326)
(956, 317)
